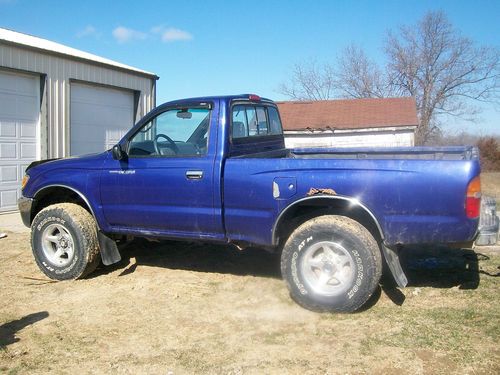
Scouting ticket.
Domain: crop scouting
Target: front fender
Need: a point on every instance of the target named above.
(83, 183)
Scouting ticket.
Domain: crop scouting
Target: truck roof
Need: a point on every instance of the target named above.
(218, 97)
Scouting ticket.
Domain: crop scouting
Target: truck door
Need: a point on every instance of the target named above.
(166, 182)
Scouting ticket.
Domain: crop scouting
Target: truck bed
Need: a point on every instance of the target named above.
(417, 194)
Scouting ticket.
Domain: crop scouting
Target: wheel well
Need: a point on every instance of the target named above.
(310, 208)
(56, 194)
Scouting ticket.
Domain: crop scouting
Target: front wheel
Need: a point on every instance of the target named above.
(64, 241)
(331, 263)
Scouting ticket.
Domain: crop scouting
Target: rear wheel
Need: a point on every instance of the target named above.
(64, 241)
(331, 263)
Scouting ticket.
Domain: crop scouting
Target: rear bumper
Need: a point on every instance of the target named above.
(25, 205)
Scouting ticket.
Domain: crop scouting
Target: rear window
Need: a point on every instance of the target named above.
(254, 121)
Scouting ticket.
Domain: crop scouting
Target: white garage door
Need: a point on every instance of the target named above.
(19, 119)
(100, 116)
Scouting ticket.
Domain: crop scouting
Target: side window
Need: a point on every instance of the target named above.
(274, 121)
(173, 133)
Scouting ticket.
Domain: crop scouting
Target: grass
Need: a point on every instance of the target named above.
(188, 316)
(462, 326)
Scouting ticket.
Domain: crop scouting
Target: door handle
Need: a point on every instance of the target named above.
(194, 175)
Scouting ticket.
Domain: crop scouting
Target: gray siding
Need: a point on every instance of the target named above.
(58, 72)
(374, 137)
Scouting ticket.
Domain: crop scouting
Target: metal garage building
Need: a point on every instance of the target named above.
(56, 101)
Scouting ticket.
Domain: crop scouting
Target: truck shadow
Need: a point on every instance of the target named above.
(196, 257)
(425, 266)
(435, 266)
(441, 267)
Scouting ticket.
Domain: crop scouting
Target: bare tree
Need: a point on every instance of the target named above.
(431, 61)
(357, 76)
(310, 81)
(443, 70)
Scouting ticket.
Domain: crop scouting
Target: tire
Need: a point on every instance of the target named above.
(331, 263)
(64, 241)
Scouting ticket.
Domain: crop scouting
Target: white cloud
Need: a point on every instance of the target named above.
(89, 30)
(174, 35)
(124, 34)
(157, 29)
(171, 34)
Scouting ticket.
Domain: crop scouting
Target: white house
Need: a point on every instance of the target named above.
(377, 122)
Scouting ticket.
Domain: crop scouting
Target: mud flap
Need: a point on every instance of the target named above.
(109, 250)
(392, 259)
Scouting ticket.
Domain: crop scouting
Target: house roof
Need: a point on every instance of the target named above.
(14, 37)
(348, 113)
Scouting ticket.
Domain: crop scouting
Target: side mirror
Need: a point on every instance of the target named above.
(118, 153)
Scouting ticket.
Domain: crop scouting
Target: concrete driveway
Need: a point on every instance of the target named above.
(11, 222)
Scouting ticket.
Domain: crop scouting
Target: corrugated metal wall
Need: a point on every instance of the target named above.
(58, 72)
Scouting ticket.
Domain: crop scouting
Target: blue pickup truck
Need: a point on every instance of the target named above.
(215, 169)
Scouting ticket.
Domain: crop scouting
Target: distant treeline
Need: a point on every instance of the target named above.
(489, 147)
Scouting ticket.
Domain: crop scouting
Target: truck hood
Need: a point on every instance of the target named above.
(38, 162)
(91, 161)
(73, 172)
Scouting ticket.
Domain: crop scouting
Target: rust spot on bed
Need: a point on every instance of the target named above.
(315, 191)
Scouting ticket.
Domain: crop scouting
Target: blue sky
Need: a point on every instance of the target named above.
(225, 47)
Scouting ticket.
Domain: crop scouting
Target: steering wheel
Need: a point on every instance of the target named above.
(172, 144)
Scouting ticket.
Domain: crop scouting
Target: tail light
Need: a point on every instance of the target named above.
(473, 198)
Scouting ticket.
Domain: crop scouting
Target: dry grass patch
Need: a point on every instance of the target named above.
(190, 308)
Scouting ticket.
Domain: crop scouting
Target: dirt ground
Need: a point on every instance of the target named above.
(176, 308)
(190, 308)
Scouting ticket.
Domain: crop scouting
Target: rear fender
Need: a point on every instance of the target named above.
(323, 200)
(346, 205)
